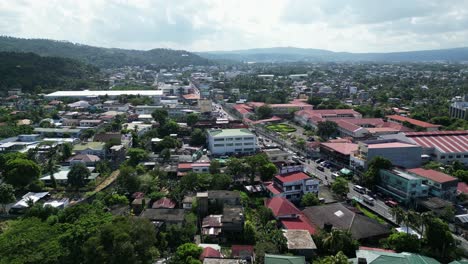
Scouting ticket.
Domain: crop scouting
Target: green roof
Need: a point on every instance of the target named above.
(230, 132)
(381, 257)
(89, 145)
(282, 259)
(459, 262)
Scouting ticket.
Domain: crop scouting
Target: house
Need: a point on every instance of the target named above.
(209, 252)
(216, 198)
(197, 167)
(440, 184)
(338, 216)
(187, 202)
(243, 252)
(277, 155)
(230, 221)
(231, 141)
(90, 122)
(87, 159)
(59, 132)
(402, 186)
(399, 153)
(288, 215)
(211, 226)
(280, 259)
(164, 203)
(91, 148)
(165, 216)
(220, 261)
(377, 256)
(23, 204)
(61, 177)
(300, 242)
(293, 185)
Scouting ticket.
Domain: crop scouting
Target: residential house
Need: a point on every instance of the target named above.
(278, 259)
(90, 122)
(165, 216)
(87, 159)
(300, 242)
(243, 252)
(288, 215)
(378, 256)
(91, 148)
(293, 185)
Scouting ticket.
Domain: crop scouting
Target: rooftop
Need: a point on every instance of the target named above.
(230, 132)
(292, 177)
(343, 148)
(104, 93)
(444, 141)
(280, 206)
(433, 175)
(412, 121)
(391, 145)
(283, 259)
(299, 239)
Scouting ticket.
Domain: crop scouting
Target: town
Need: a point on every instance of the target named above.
(248, 163)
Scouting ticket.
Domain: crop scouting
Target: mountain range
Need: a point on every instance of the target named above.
(102, 57)
(291, 54)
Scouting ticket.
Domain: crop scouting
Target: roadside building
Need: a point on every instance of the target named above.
(231, 141)
(440, 184)
(300, 242)
(413, 123)
(293, 185)
(459, 110)
(338, 151)
(402, 186)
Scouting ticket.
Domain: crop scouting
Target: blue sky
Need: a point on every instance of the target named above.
(202, 25)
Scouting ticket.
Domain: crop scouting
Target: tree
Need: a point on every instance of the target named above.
(326, 129)
(88, 133)
(127, 179)
(398, 214)
(267, 171)
(160, 115)
(66, 149)
(78, 175)
(220, 182)
(136, 155)
(403, 242)
(330, 243)
(235, 167)
(170, 127)
(300, 143)
(371, 176)
(249, 232)
(309, 199)
(264, 112)
(21, 172)
(339, 258)
(187, 253)
(215, 166)
(192, 119)
(7, 195)
(340, 186)
(439, 238)
(165, 154)
(198, 137)
(52, 167)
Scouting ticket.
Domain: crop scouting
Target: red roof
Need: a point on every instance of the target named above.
(462, 187)
(280, 206)
(210, 252)
(242, 250)
(272, 188)
(433, 175)
(292, 177)
(412, 121)
(191, 96)
(184, 166)
(343, 148)
(301, 223)
(377, 249)
(164, 203)
(444, 141)
(242, 108)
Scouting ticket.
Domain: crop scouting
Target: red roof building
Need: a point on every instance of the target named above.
(462, 188)
(292, 177)
(243, 252)
(281, 207)
(293, 185)
(209, 252)
(440, 184)
(300, 223)
(414, 122)
(164, 203)
(433, 175)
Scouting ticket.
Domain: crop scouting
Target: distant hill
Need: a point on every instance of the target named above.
(102, 57)
(29, 71)
(290, 54)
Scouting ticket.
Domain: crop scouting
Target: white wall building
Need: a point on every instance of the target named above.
(230, 141)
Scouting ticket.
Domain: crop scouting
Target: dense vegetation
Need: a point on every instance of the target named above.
(102, 57)
(34, 73)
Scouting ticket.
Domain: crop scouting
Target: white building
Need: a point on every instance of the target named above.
(230, 141)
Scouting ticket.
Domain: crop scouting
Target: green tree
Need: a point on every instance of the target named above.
(326, 129)
(403, 242)
(21, 172)
(340, 186)
(78, 175)
(187, 253)
(52, 167)
(127, 179)
(249, 232)
(309, 199)
(330, 243)
(439, 239)
(267, 171)
(264, 112)
(215, 166)
(192, 119)
(160, 115)
(136, 156)
(66, 151)
(221, 182)
(300, 143)
(198, 137)
(170, 127)
(371, 176)
(339, 258)
(165, 154)
(7, 195)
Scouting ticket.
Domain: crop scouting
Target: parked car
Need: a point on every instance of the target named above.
(367, 199)
(318, 161)
(359, 189)
(391, 203)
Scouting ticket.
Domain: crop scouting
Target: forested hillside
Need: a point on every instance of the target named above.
(32, 72)
(102, 57)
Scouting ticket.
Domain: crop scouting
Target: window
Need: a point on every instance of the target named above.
(465, 156)
(413, 185)
(238, 150)
(238, 144)
(219, 145)
(248, 138)
(219, 139)
(238, 138)
(248, 143)
(458, 156)
(229, 139)
(450, 157)
(229, 144)
(248, 149)
(442, 157)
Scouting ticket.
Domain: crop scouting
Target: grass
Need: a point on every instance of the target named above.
(370, 214)
(281, 128)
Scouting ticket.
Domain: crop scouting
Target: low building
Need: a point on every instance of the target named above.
(288, 215)
(300, 242)
(243, 252)
(164, 216)
(87, 159)
(277, 259)
(61, 177)
(338, 151)
(91, 148)
(378, 256)
(413, 123)
(293, 185)
(277, 155)
(440, 184)
(402, 186)
(231, 141)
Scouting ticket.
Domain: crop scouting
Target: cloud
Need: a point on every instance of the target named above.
(340, 25)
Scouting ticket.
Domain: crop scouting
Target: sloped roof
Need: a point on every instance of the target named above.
(280, 206)
(433, 175)
(283, 259)
(210, 252)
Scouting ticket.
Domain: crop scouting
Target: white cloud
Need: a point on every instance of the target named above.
(340, 25)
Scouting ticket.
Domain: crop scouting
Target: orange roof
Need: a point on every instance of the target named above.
(433, 175)
(343, 148)
(412, 121)
(292, 177)
(191, 96)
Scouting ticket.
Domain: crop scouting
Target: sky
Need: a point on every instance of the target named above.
(208, 25)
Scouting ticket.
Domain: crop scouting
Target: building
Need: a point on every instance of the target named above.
(277, 155)
(300, 242)
(413, 123)
(277, 259)
(231, 141)
(459, 110)
(400, 154)
(313, 117)
(380, 256)
(338, 151)
(91, 148)
(164, 216)
(155, 94)
(293, 185)
(243, 252)
(440, 184)
(402, 186)
(288, 215)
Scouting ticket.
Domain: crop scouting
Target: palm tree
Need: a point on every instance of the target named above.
(52, 167)
(426, 218)
(398, 214)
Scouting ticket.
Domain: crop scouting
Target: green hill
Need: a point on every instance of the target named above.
(30, 72)
(102, 57)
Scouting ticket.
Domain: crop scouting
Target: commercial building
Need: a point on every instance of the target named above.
(459, 110)
(338, 151)
(313, 117)
(231, 141)
(401, 154)
(402, 186)
(440, 184)
(413, 122)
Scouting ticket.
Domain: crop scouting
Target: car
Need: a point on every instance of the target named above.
(391, 203)
(320, 168)
(367, 199)
(318, 161)
(359, 189)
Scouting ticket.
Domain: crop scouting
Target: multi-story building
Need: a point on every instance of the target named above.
(402, 186)
(440, 184)
(459, 110)
(293, 185)
(401, 154)
(230, 141)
